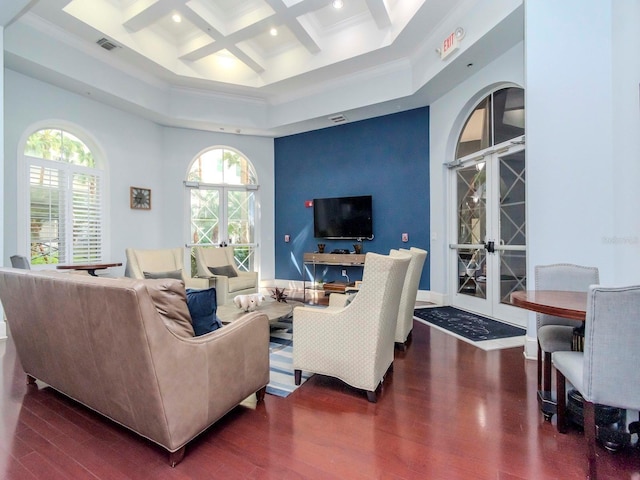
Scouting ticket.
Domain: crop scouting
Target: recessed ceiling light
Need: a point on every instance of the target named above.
(337, 3)
(273, 32)
(176, 18)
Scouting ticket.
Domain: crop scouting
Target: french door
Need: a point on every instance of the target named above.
(226, 216)
(488, 258)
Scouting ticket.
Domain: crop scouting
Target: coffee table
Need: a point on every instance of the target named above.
(276, 311)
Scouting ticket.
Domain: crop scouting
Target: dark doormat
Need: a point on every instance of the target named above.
(468, 325)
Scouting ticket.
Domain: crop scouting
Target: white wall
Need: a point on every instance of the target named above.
(3, 326)
(625, 160)
(180, 147)
(139, 153)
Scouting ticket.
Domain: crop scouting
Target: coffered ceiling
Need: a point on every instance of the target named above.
(273, 52)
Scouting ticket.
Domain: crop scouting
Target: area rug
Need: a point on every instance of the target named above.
(471, 327)
(281, 381)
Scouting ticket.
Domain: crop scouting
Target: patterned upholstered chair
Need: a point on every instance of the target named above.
(354, 343)
(161, 263)
(409, 293)
(219, 263)
(607, 371)
(555, 333)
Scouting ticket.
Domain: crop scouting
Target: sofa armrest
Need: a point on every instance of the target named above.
(202, 378)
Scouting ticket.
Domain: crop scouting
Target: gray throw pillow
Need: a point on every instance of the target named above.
(177, 274)
(225, 271)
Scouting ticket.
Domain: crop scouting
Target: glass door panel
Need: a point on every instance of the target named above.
(205, 216)
(490, 253)
(241, 221)
(472, 229)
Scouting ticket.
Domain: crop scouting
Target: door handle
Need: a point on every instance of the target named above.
(490, 247)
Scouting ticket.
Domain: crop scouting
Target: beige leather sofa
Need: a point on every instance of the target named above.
(125, 348)
(230, 285)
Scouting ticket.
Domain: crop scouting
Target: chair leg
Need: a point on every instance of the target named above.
(546, 386)
(401, 346)
(297, 376)
(372, 397)
(260, 394)
(590, 437)
(539, 367)
(561, 399)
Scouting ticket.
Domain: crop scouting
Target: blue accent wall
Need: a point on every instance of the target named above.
(386, 157)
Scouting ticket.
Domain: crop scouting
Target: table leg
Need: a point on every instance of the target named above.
(92, 272)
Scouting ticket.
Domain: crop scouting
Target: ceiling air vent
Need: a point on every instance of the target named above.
(106, 44)
(338, 118)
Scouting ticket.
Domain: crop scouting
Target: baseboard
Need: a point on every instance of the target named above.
(531, 348)
(3, 330)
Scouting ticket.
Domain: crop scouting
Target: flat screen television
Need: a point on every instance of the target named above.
(343, 217)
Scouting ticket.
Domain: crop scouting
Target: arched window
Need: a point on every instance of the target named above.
(64, 199)
(497, 118)
(223, 203)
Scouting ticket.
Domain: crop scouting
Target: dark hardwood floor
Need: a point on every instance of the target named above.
(448, 411)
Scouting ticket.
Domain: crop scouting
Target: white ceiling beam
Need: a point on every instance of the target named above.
(143, 13)
(379, 12)
(289, 17)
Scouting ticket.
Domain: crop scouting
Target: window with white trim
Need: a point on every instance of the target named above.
(65, 199)
(223, 200)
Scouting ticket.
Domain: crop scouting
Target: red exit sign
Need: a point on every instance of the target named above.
(449, 45)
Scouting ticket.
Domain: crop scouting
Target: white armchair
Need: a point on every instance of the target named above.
(409, 293)
(161, 263)
(354, 343)
(219, 263)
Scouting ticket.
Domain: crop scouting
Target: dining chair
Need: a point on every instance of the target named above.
(606, 373)
(556, 333)
(404, 326)
(20, 261)
(354, 343)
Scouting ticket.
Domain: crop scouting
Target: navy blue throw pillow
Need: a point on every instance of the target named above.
(202, 307)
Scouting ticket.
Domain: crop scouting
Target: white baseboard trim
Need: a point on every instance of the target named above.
(531, 348)
(3, 329)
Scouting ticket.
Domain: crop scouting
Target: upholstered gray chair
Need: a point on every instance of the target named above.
(161, 263)
(607, 371)
(219, 263)
(556, 333)
(409, 293)
(354, 343)
(20, 261)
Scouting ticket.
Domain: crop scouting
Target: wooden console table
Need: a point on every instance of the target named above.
(335, 259)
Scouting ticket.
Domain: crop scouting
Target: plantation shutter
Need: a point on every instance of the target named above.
(66, 216)
(86, 212)
(47, 205)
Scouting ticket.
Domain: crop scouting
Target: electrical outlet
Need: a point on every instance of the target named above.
(287, 238)
(344, 272)
(405, 237)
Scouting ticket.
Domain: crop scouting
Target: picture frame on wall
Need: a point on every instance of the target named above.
(140, 198)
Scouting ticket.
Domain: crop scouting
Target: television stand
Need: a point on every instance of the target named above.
(338, 259)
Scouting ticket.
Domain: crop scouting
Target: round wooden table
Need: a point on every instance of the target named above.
(563, 304)
(88, 267)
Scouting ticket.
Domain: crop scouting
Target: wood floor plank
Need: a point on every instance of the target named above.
(447, 411)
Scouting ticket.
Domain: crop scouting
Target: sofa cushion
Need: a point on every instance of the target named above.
(225, 271)
(202, 307)
(177, 274)
(170, 299)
